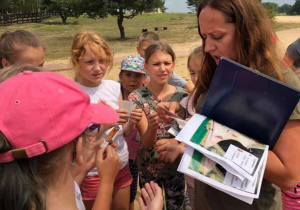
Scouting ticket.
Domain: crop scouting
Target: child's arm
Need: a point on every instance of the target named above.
(135, 117)
(148, 124)
(148, 139)
(176, 80)
(108, 166)
(188, 87)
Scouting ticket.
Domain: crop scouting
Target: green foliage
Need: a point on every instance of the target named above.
(193, 4)
(295, 10)
(122, 9)
(65, 8)
(5, 6)
(19, 6)
(271, 9)
(285, 8)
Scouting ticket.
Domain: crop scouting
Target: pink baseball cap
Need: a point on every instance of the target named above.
(43, 111)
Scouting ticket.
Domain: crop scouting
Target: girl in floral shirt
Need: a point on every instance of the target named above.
(159, 64)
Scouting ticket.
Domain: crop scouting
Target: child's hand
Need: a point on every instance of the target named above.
(168, 152)
(166, 110)
(114, 145)
(108, 164)
(153, 120)
(104, 128)
(136, 116)
(90, 145)
(123, 116)
(152, 198)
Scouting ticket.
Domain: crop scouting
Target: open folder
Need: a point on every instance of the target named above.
(249, 102)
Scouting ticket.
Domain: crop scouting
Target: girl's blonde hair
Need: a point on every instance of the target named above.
(148, 37)
(95, 42)
(10, 71)
(13, 43)
(195, 54)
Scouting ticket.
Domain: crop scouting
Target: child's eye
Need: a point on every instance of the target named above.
(89, 62)
(139, 76)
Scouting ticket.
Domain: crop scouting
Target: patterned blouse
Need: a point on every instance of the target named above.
(148, 163)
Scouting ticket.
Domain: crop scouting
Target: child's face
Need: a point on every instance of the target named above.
(142, 47)
(131, 81)
(31, 56)
(160, 67)
(194, 69)
(92, 68)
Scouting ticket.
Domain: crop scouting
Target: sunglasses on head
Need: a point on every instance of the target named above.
(93, 129)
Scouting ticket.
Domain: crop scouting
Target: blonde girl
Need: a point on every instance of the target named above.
(92, 57)
(159, 64)
(20, 48)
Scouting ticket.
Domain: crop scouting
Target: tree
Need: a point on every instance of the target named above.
(286, 8)
(5, 6)
(19, 6)
(193, 4)
(271, 9)
(65, 8)
(122, 9)
(295, 10)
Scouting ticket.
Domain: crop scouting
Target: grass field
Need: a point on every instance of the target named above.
(57, 37)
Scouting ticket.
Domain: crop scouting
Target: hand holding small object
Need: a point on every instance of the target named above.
(136, 116)
(167, 110)
(108, 164)
(123, 116)
(153, 120)
(109, 137)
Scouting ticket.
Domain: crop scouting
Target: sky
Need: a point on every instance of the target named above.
(180, 6)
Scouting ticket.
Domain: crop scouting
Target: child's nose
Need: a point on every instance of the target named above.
(98, 66)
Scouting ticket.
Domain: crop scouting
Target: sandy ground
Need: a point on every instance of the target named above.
(182, 50)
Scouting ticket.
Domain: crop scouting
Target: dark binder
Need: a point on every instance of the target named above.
(249, 102)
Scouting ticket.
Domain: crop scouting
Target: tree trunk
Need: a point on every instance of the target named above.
(120, 24)
(63, 16)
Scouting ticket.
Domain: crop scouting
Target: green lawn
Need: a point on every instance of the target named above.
(57, 37)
